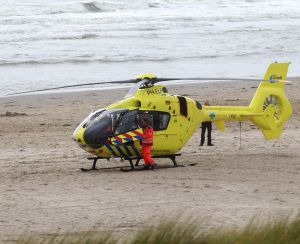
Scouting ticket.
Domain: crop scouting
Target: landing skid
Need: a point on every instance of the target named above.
(135, 166)
(142, 168)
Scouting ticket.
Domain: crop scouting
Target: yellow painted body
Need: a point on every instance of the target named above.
(269, 117)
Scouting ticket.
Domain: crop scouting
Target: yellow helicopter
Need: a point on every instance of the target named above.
(115, 131)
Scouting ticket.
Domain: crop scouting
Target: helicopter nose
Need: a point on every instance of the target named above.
(78, 135)
(94, 136)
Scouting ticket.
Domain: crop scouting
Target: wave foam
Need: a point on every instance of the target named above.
(92, 7)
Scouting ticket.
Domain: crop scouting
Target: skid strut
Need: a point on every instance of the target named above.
(95, 159)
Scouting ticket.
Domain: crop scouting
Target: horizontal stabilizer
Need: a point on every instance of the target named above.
(272, 134)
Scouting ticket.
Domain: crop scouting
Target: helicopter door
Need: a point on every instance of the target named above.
(127, 132)
(159, 121)
(129, 122)
(146, 119)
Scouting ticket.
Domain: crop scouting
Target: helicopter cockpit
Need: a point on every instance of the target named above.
(103, 124)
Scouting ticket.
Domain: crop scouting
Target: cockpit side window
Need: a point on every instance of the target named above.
(164, 119)
(160, 120)
(129, 122)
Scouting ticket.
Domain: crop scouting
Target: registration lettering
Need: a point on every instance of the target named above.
(155, 91)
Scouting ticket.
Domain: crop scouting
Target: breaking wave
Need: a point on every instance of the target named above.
(92, 7)
(77, 37)
(81, 6)
(78, 61)
(90, 59)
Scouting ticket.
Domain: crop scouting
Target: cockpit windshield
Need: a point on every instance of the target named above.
(109, 118)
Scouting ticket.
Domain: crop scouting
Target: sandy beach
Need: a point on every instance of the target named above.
(43, 191)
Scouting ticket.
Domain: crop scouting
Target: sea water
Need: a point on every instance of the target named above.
(62, 42)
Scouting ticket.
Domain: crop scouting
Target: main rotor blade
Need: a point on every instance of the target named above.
(211, 79)
(155, 80)
(77, 85)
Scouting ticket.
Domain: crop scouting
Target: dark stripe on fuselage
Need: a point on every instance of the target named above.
(110, 149)
(121, 152)
(135, 150)
(128, 151)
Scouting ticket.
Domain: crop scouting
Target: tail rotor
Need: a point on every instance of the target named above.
(271, 102)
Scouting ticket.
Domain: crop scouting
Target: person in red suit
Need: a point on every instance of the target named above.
(147, 142)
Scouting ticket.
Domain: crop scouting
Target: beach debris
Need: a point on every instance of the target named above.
(12, 114)
(232, 100)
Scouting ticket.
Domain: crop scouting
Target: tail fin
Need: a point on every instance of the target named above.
(271, 102)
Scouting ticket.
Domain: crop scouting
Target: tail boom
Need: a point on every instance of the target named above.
(269, 108)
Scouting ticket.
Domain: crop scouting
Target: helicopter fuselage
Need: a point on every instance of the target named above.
(116, 130)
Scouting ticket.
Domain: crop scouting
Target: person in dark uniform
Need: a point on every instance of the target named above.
(206, 125)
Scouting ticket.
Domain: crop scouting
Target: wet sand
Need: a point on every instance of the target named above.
(42, 189)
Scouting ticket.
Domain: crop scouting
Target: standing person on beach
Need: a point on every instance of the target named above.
(147, 141)
(206, 125)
